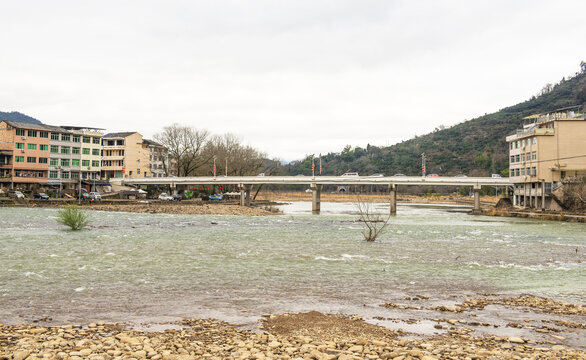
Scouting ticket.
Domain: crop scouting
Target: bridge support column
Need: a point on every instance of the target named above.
(173, 189)
(542, 195)
(316, 198)
(476, 209)
(244, 195)
(393, 198)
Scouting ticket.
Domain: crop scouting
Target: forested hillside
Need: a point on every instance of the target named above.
(16, 116)
(476, 147)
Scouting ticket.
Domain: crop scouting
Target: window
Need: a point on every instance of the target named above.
(535, 140)
(74, 162)
(512, 145)
(44, 134)
(111, 143)
(65, 175)
(54, 162)
(20, 146)
(65, 137)
(85, 151)
(96, 152)
(42, 160)
(43, 147)
(120, 142)
(517, 143)
(54, 149)
(64, 162)
(74, 175)
(65, 149)
(95, 163)
(533, 171)
(32, 133)
(523, 143)
(534, 155)
(54, 136)
(31, 146)
(86, 139)
(19, 159)
(96, 140)
(53, 175)
(522, 171)
(517, 172)
(512, 158)
(517, 158)
(75, 138)
(75, 150)
(31, 159)
(20, 132)
(522, 158)
(85, 163)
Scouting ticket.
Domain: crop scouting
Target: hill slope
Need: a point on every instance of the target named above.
(16, 116)
(475, 147)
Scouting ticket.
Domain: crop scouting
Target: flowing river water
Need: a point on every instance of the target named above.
(148, 267)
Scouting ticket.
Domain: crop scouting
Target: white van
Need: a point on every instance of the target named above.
(350, 174)
(496, 176)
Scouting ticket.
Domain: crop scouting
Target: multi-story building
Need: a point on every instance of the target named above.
(24, 154)
(545, 153)
(159, 159)
(89, 146)
(125, 155)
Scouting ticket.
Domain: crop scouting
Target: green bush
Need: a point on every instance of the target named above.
(73, 217)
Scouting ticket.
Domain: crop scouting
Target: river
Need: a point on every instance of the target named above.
(149, 267)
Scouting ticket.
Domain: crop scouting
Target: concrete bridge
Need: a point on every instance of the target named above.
(317, 182)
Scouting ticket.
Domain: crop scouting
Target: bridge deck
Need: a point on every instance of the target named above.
(320, 180)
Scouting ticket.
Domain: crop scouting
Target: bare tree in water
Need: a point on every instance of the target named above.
(374, 223)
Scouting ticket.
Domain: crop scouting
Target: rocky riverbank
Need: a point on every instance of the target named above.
(183, 208)
(310, 335)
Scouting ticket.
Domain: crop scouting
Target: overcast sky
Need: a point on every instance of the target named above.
(288, 77)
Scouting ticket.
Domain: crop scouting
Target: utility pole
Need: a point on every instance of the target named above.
(319, 164)
(313, 166)
(214, 166)
(226, 167)
(423, 164)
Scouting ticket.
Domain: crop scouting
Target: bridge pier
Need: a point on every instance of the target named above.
(393, 198)
(476, 209)
(173, 187)
(316, 198)
(244, 195)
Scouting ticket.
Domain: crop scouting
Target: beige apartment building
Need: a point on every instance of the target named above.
(125, 155)
(545, 154)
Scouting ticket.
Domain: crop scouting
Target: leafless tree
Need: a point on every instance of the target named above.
(374, 222)
(242, 159)
(185, 145)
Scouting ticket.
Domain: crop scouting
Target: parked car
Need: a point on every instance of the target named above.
(433, 175)
(94, 196)
(176, 197)
(261, 174)
(496, 176)
(399, 175)
(216, 197)
(165, 196)
(377, 175)
(350, 174)
(84, 196)
(461, 175)
(17, 194)
(41, 196)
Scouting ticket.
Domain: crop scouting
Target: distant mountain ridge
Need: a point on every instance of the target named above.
(16, 116)
(476, 147)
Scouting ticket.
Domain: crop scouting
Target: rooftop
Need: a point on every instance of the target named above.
(27, 125)
(120, 134)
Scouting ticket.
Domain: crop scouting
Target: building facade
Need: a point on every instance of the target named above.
(24, 154)
(159, 159)
(125, 155)
(89, 145)
(545, 153)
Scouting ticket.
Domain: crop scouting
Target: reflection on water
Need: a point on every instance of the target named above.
(159, 265)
